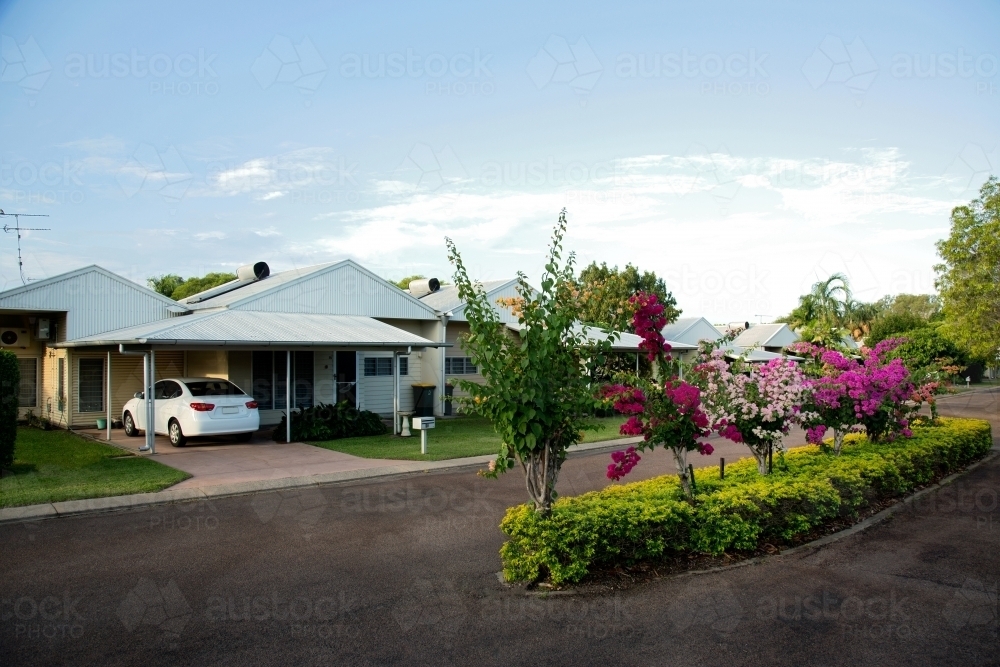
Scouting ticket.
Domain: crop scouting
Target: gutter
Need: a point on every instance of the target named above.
(249, 344)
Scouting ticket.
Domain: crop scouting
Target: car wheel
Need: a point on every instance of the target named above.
(129, 424)
(177, 438)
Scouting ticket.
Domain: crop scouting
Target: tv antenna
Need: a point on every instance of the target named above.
(760, 318)
(18, 229)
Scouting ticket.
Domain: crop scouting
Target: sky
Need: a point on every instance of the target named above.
(741, 151)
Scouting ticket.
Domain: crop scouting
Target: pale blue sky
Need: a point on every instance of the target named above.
(741, 151)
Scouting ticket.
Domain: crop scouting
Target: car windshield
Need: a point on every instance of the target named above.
(213, 388)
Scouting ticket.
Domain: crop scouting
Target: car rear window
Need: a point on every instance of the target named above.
(214, 388)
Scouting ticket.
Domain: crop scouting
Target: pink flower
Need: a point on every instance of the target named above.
(623, 462)
(705, 448)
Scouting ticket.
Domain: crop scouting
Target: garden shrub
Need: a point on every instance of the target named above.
(10, 383)
(651, 520)
(324, 421)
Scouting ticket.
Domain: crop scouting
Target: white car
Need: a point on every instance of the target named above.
(187, 407)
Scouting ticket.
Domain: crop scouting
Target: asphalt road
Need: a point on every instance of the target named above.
(404, 572)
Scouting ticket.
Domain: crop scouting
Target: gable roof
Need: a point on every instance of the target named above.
(446, 299)
(94, 300)
(337, 288)
(690, 330)
(766, 335)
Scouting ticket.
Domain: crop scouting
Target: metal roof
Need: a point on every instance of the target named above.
(338, 288)
(762, 335)
(625, 341)
(253, 329)
(94, 299)
(447, 298)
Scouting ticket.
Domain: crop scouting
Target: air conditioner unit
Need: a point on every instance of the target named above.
(14, 338)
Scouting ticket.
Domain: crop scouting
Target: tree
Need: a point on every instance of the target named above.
(605, 294)
(892, 325)
(929, 355)
(969, 274)
(538, 393)
(404, 284)
(165, 284)
(10, 382)
(829, 312)
(926, 307)
(193, 286)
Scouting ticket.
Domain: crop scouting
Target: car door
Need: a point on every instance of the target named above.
(167, 394)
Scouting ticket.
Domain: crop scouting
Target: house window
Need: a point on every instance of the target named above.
(269, 378)
(61, 384)
(404, 365)
(28, 395)
(459, 366)
(376, 366)
(91, 385)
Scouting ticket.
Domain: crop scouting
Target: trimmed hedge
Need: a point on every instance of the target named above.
(650, 520)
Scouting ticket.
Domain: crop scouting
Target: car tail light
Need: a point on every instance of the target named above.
(203, 407)
(252, 405)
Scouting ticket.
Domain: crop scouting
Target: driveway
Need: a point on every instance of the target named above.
(222, 461)
(403, 571)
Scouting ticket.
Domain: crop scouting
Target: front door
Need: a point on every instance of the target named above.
(347, 377)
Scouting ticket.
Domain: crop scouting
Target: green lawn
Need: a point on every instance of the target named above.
(451, 439)
(50, 466)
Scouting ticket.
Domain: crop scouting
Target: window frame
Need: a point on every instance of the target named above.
(20, 391)
(79, 384)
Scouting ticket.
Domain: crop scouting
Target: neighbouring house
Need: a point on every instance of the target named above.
(768, 337)
(347, 333)
(756, 343)
(458, 363)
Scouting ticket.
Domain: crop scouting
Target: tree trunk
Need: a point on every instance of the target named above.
(541, 470)
(680, 459)
(838, 440)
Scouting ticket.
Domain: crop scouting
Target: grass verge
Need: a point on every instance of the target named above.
(451, 439)
(52, 466)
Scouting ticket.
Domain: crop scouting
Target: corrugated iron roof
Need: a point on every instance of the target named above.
(447, 298)
(759, 335)
(337, 288)
(235, 327)
(94, 299)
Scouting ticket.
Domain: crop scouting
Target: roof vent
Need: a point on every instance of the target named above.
(424, 286)
(253, 272)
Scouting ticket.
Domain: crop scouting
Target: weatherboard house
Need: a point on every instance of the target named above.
(324, 333)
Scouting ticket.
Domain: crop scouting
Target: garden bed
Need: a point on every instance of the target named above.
(650, 526)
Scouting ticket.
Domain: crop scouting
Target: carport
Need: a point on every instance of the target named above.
(284, 338)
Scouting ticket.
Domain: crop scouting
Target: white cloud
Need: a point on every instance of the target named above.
(207, 236)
